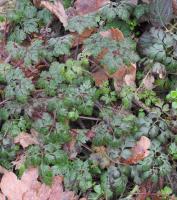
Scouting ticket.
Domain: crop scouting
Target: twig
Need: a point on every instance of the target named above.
(3, 102)
(90, 118)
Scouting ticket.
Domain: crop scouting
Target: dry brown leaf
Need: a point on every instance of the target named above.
(139, 151)
(88, 6)
(80, 38)
(100, 77)
(113, 33)
(57, 9)
(25, 139)
(12, 187)
(124, 76)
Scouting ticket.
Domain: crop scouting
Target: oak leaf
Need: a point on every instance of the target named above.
(85, 7)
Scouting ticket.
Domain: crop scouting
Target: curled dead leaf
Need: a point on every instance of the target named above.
(84, 6)
(139, 151)
(25, 139)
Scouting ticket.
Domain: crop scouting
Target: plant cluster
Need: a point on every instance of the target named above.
(73, 90)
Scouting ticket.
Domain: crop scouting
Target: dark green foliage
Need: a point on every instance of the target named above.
(159, 46)
(96, 43)
(85, 132)
(27, 20)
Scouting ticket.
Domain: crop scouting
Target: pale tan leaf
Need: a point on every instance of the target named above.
(2, 197)
(12, 187)
(44, 192)
(139, 151)
(148, 82)
(57, 188)
(3, 170)
(25, 139)
(88, 6)
(57, 9)
(30, 176)
(19, 161)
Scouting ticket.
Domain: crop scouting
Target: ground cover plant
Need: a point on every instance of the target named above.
(88, 100)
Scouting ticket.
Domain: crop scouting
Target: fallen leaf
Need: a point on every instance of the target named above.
(100, 77)
(148, 82)
(25, 139)
(174, 3)
(80, 38)
(30, 176)
(2, 197)
(12, 187)
(113, 33)
(139, 151)
(3, 170)
(84, 6)
(19, 161)
(126, 75)
(57, 9)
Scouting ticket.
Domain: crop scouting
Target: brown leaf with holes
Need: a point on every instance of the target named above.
(25, 140)
(139, 151)
(88, 6)
(57, 9)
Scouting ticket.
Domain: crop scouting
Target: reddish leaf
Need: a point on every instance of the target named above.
(100, 77)
(3, 170)
(25, 139)
(140, 151)
(79, 38)
(12, 187)
(2, 197)
(30, 176)
(174, 6)
(57, 9)
(84, 6)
